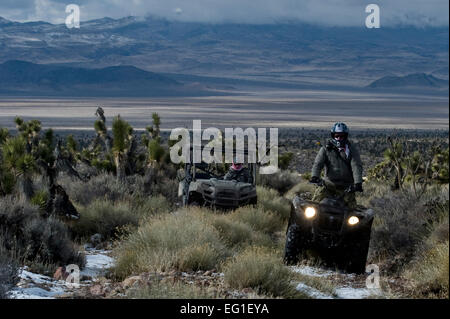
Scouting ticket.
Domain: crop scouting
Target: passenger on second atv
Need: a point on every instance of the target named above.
(238, 173)
(343, 167)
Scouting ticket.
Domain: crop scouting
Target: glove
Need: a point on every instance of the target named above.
(358, 187)
(314, 180)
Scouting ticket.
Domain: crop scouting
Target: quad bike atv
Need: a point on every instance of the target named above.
(329, 227)
(201, 187)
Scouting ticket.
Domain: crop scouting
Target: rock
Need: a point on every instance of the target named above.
(247, 290)
(96, 290)
(96, 239)
(86, 278)
(207, 273)
(131, 281)
(205, 282)
(60, 274)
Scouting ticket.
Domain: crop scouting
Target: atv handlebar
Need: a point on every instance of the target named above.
(321, 183)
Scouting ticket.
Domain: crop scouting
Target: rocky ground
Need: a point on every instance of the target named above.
(315, 282)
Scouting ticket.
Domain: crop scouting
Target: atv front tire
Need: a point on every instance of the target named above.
(292, 246)
(356, 253)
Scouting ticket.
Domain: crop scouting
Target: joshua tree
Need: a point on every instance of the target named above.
(101, 129)
(394, 155)
(155, 150)
(122, 142)
(19, 162)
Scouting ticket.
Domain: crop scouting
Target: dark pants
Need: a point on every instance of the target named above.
(333, 191)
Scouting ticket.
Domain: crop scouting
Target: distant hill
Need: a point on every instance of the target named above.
(285, 52)
(416, 80)
(25, 78)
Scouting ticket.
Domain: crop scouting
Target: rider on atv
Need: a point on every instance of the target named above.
(343, 167)
(238, 173)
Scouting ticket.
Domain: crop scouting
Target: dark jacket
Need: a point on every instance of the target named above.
(339, 170)
(241, 176)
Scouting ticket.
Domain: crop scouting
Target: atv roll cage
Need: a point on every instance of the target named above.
(194, 171)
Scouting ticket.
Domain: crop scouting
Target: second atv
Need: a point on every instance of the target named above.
(203, 188)
(329, 227)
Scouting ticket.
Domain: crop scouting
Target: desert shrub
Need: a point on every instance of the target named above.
(303, 188)
(281, 181)
(430, 273)
(161, 289)
(258, 218)
(103, 186)
(151, 205)
(104, 217)
(167, 188)
(184, 240)
(261, 270)
(372, 190)
(401, 225)
(270, 200)
(36, 239)
(40, 199)
(429, 269)
(9, 271)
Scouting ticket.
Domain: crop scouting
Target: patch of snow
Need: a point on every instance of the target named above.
(36, 286)
(97, 261)
(311, 271)
(344, 291)
(33, 293)
(312, 292)
(357, 293)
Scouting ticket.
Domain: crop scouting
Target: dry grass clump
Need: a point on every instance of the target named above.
(270, 200)
(105, 218)
(185, 240)
(101, 187)
(259, 219)
(152, 205)
(237, 234)
(261, 270)
(110, 218)
(281, 181)
(160, 289)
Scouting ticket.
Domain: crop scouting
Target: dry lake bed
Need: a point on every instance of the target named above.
(309, 109)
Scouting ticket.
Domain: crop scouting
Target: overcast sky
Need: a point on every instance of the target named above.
(325, 12)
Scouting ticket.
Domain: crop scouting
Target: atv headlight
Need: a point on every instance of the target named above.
(353, 220)
(310, 212)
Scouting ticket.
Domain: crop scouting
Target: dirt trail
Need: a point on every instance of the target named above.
(343, 285)
(338, 285)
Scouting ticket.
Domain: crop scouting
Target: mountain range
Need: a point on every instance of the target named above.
(415, 80)
(154, 53)
(26, 78)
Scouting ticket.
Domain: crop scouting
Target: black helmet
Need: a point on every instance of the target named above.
(339, 127)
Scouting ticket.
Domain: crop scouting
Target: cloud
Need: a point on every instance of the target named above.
(324, 12)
